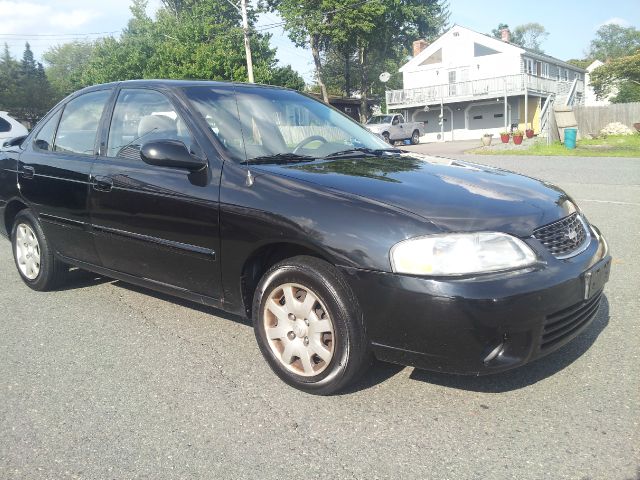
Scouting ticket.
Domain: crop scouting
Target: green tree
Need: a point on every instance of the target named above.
(621, 74)
(65, 65)
(528, 35)
(614, 41)
(581, 63)
(365, 34)
(497, 32)
(24, 89)
(9, 81)
(188, 39)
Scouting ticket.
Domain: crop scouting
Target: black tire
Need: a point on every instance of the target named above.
(385, 135)
(415, 137)
(351, 355)
(52, 272)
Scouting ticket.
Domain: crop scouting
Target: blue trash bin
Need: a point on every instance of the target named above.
(570, 135)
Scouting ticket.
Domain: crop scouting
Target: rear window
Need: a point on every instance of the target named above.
(4, 126)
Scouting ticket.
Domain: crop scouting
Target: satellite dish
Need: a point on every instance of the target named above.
(384, 77)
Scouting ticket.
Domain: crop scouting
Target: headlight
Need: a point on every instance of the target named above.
(460, 254)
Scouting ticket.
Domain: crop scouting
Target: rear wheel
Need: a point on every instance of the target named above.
(34, 259)
(415, 137)
(309, 326)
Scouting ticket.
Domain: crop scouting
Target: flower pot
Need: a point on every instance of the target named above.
(517, 139)
(529, 133)
(486, 140)
(504, 138)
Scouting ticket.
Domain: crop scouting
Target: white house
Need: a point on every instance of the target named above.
(466, 83)
(589, 95)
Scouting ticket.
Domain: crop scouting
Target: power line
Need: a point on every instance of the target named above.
(269, 26)
(33, 35)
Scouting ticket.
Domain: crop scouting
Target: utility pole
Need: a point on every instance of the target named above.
(247, 45)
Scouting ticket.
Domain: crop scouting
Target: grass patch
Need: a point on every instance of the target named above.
(612, 146)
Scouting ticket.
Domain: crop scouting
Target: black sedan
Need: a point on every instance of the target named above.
(267, 203)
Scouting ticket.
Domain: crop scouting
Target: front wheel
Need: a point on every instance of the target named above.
(415, 137)
(386, 137)
(309, 327)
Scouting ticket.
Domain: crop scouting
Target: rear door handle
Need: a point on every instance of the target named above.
(102, 184)
(27, 172)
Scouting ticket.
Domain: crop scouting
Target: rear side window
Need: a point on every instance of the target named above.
(141, 116)
(44, 138)
(79, 123)
(4, 126)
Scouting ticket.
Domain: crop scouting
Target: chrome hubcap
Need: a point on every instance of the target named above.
(299, 329)
(27, 251)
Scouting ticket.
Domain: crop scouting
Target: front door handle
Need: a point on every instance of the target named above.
(27, 172)
(102, 184)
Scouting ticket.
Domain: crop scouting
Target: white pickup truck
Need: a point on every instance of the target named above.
(392, 127)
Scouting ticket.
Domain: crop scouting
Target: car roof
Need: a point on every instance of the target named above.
(161, 83)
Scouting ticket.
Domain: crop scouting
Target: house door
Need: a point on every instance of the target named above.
(452, 83)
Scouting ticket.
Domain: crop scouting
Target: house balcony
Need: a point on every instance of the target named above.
(510, 85)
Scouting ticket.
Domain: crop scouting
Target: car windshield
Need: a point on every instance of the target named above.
(262, 123)
(379, 119)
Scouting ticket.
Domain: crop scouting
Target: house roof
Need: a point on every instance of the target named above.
(492, 42)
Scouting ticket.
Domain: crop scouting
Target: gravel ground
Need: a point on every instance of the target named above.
(104, 380)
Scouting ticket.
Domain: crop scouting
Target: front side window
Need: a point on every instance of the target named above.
(265, 122)
(141, 116)
(79, 123)
(44, 139)
(379, 119)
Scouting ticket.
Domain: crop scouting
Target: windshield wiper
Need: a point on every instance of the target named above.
(357, 150)
(280, 158)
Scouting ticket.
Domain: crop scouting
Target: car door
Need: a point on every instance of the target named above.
(155, 223)
(54, 173)
(396, 127)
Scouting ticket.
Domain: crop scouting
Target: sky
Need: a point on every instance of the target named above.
(571, 23)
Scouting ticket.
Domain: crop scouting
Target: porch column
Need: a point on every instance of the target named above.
(442, 119)
(526, 108)
(506, 113)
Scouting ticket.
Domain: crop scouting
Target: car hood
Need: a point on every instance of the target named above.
(453, 195)
(376, 127)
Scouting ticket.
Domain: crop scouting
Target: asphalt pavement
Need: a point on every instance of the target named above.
(107, 381)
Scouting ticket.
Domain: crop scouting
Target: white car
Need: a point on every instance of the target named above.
(392, 127)
(10, 128)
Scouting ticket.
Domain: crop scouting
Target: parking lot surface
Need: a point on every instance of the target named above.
(105, 380)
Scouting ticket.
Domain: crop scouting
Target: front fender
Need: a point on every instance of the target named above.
(346, 230)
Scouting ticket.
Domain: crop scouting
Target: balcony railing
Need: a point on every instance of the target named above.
(488, 87)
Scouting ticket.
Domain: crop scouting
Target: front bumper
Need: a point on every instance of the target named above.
(484, 324)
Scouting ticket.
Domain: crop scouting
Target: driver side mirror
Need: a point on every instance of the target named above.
(14, 142)
(171, 153)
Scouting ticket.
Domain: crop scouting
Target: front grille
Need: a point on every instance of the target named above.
(564, 237)
(565, 323)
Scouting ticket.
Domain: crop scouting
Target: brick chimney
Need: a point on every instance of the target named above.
(419, 46)
(506, 35)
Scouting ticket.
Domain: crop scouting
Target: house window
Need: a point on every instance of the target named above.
(435, 57)
(566, 74)
(480, 50)
(498, 115)
(545, 70)
(528, 66)
(477, 117)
